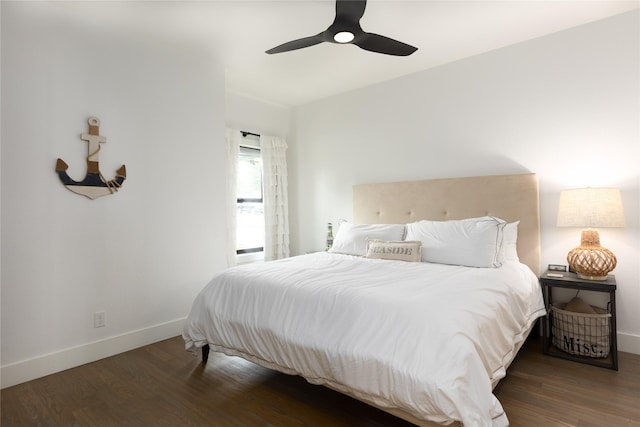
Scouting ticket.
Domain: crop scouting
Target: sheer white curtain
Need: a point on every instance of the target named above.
(233, 138)
(275, 199)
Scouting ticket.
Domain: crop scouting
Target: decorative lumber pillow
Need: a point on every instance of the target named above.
(351, 239)
(405, 250)
(473, 242)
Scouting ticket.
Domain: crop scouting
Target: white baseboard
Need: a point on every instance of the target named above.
(27, 370)
(629, 343)
(30, 369)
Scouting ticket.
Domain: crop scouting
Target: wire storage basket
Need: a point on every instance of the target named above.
(581, 334)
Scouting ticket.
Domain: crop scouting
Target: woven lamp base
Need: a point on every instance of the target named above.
(590, 260)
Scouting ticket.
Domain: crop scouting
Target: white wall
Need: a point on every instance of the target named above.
(565, 106)
(142, 254)
(256, 116)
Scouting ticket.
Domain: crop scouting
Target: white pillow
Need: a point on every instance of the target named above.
(510, 242)
(404, 250)
(351, 239)
(473, 242)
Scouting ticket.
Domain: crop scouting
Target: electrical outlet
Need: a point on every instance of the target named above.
(99, 319)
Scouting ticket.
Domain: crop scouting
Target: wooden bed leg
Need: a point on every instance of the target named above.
(205, 353)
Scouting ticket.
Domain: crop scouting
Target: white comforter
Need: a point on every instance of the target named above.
(429, 339)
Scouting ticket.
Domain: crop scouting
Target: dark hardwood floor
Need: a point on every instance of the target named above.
(162, 385)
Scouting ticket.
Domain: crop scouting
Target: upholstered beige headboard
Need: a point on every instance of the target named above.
(510, 197)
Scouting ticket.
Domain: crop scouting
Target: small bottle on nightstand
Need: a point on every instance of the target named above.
(329, 236)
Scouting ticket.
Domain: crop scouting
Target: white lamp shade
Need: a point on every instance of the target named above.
(591, 207)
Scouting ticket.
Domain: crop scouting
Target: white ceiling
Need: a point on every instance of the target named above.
(239, 31)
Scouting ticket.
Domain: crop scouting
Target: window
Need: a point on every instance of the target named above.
(250, 218)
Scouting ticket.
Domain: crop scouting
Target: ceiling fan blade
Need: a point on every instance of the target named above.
(382, 44)
(350, 10)
(297, 44)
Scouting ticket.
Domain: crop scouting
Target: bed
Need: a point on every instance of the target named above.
(426, 340)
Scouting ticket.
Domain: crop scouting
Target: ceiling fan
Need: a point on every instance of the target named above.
(346, 29)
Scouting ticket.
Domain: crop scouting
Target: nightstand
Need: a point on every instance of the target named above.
(571, 281)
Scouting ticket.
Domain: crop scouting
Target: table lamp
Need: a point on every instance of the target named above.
(591, 208)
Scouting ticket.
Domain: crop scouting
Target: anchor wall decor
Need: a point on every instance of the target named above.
(94, 184)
